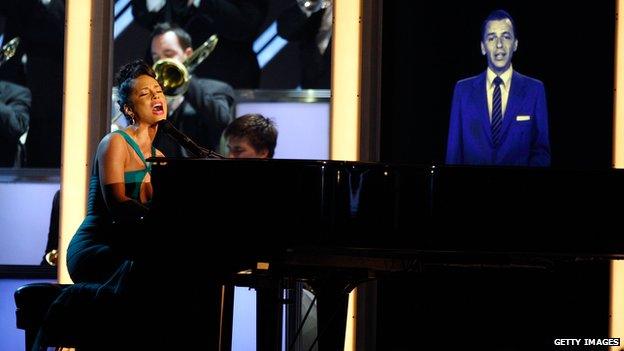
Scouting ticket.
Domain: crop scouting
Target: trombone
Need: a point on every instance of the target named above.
(175, 76)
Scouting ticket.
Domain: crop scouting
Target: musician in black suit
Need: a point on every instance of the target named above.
(310, 24)
(236, 22)
(14, 117)
(40, 25)
(204, 110)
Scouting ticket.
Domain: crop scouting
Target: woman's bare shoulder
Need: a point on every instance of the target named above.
(112, 142)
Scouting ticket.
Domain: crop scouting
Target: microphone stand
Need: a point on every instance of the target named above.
(186, 142)
(207, 153)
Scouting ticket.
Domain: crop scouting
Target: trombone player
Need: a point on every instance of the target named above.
(201, 108)
(15, 102)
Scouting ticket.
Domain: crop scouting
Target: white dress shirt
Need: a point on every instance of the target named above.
(505, 87)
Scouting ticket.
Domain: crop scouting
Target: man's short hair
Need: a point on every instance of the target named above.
(257, 129)
(183, 37)
(497, 15)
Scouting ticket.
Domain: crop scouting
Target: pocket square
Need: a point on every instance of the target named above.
(523, 118)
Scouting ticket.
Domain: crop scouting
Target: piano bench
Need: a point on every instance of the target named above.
(32, 302)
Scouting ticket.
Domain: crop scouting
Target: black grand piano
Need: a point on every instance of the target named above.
(355, 221)
(375, 208)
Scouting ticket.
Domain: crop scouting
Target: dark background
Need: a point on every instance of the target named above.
(429, 46)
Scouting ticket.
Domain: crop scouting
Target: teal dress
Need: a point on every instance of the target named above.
(94, 253)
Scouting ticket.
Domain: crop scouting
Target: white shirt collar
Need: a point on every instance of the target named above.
(505, 76)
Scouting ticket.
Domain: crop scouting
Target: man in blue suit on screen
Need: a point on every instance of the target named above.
(499, 117)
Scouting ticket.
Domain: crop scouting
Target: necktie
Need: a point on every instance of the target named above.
(497, 111)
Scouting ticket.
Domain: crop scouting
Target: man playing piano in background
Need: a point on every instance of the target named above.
(255, 136)
(251, 136)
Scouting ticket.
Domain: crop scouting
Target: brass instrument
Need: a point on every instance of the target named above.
(8, 50)
(312, 6)
(52, 257)
(175, 76)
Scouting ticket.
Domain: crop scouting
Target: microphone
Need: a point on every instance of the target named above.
(185, 141)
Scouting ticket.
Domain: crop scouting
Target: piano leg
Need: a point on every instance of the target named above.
(226, 317)
(269, 316)
(333, 298)
(332, 295)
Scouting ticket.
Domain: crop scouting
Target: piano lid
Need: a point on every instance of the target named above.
(377, 207)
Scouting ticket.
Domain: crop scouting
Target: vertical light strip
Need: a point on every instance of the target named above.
(75, 124)
(222, 317)
(345, 103)
(618, 108)
(350, 333)
(345, 88)
(616, 323)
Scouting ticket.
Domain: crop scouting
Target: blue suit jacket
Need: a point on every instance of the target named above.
(524, 135)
